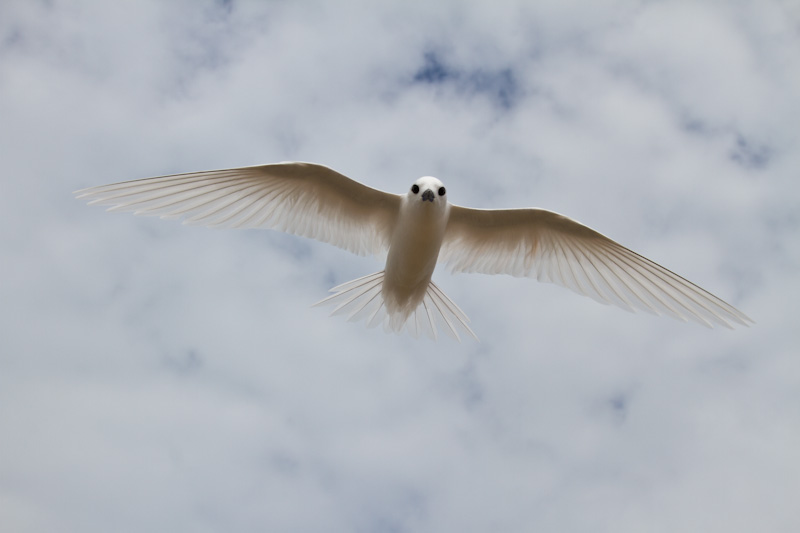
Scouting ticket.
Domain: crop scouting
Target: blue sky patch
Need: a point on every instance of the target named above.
(750, 155)
(499, 85)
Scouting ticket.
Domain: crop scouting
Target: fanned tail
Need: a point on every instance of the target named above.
(362, 299)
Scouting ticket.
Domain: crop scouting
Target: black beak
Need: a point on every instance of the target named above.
(428, 195)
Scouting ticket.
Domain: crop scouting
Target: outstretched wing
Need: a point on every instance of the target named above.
(553, 248)
(299, 198)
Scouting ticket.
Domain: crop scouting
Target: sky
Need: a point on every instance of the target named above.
(161, 377)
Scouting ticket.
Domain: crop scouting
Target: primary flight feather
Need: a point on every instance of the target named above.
(417, 229)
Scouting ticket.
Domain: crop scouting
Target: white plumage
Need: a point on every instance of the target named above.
(417, 229)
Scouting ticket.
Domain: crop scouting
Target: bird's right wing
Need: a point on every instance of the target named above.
(299, 198)
(554, 248)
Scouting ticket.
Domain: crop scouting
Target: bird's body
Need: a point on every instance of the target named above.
(416, 241)
(417, 230)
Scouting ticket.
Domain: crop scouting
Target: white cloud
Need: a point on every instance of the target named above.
(161, 377)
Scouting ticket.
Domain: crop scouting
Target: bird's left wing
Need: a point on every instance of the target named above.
(300, 198)
(554, 248)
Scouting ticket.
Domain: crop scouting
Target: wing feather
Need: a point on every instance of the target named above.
(299, 198)
(554, 248)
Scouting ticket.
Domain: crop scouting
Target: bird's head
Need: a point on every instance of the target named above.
(428, 189)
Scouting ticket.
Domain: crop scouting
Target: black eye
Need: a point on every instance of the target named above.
(442, 191)
(415, 188)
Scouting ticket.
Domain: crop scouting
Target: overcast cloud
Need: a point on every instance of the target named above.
(159, 377)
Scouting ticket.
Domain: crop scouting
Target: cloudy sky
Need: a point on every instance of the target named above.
(160, 377)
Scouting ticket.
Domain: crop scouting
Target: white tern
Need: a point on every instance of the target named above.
(417, 229)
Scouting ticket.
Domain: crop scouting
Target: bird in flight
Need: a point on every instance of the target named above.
(418, 229)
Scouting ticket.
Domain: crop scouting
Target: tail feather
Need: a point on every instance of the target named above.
(442, 308)
(362, 299)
